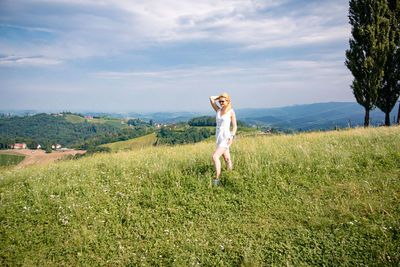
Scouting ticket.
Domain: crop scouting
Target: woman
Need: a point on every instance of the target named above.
(225, 115)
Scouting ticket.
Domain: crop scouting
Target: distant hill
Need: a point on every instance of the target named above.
(51, 128)
(306, 117)
(68, 129)
(314, 116)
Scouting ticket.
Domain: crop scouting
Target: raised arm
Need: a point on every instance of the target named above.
(213, 104)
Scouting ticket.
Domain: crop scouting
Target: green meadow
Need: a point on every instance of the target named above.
(323, 198)
(8, 160)
(133, 144)
(115, 122)
(74, 118)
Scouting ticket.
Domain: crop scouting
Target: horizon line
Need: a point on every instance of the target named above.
(75, 110)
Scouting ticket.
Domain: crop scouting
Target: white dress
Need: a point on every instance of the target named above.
(222, 132)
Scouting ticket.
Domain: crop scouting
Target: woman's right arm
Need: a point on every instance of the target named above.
(213, 104)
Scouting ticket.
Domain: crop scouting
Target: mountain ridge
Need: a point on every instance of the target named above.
(314, 116)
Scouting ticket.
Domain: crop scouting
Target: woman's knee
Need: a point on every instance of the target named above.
(226, 157)
(215, 157)
(218, 153)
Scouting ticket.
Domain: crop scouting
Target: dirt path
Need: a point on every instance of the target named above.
(40, 156)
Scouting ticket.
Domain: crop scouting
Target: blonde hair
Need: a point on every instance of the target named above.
(228, 99)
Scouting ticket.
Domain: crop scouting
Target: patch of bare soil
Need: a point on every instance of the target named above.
(40, 156)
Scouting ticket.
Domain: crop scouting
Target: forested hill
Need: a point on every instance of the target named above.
(67, 129)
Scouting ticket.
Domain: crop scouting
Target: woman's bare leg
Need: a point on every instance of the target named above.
(227, 158)
(217, 154)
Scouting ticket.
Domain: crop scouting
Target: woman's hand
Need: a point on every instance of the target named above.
(230, 140)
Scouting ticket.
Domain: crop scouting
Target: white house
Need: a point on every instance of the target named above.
(19, 146)
(57, 146)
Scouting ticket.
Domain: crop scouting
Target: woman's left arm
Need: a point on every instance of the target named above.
(234, 123)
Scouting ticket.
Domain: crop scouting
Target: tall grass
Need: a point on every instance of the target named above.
(308, 199)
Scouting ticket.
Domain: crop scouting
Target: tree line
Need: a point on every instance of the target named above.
(211, 121)
(5, 142)
(374, 55)
(168, 135)
(116, 136)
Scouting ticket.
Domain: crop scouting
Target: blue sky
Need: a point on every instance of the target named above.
(171, 55)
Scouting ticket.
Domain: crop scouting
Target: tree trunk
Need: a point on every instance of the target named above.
(366, 118)
(398, 115)
(387, 118)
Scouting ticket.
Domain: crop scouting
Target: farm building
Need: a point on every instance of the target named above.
(18, 146)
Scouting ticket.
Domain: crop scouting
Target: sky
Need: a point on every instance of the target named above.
(171, 55)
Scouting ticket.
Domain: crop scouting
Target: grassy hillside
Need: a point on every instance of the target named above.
(133, 144)
(66, 130)
(114, 122)
(310, 199)
(73, 118)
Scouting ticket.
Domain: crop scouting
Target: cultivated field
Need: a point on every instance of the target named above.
(40, 156)
(308, 199)
(8, 160)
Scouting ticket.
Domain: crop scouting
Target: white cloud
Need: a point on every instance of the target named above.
(28, 61)
(241, 22)
(98, 28)
(28, 28)
(283, 52)
(174, 73)
(273, 72)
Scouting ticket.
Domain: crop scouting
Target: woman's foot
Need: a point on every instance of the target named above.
(216, 182)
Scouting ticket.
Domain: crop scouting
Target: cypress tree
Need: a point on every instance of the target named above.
(389, 91)
(366, 57)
